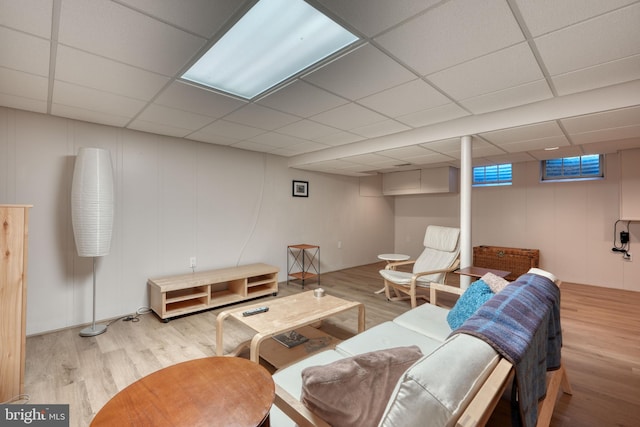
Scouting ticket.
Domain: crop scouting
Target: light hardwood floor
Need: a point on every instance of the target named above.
(601, 350)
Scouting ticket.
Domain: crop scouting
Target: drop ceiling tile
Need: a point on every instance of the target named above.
(172, 117)
(609, 73)
(511, 97)
(22, 103)
(16, 83)
(307, 129)
(83, 69)
(411, 97)
(336, 164)
(447, 146)
(605, 147)
(385, 127)
(451, 147)
(117, 32)
(254, 146)
(349, 116)
(23, 52)
(452, 33)
(337, 76)
(31, 16)
(406, 153)
(302, 99)
(339, 138)
(305, 147)
(511, 158)
(231, 130)
(184, 96)
(276, 140)
(523, 133)
(482, 149)
(500, 70)
(373, 16)
(372, 160)
(261, 117)
(535, 144)
(95, 100)
(204, 136)
(159, 128)
(430, 159)
(546, 16)
(606, 38)
(611, 134)
(607, 120)
(77, 113)
(566, 151)
(203, 17)
(433, 115)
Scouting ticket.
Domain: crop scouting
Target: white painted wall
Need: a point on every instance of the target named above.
(570, 223)
(174, 199)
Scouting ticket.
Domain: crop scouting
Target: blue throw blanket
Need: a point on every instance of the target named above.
(522, 323)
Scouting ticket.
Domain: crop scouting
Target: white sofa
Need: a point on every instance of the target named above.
(458, 380)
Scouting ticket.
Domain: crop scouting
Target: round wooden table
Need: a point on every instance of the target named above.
(214, 391)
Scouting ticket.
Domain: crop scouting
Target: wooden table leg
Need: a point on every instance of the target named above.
(361, 318)
(254, 353)
(220, 333)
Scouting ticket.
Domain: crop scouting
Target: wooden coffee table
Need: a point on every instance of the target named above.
(214, 391)
(285, 314)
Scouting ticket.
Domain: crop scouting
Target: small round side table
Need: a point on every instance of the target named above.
(391, 258)
(214, 391)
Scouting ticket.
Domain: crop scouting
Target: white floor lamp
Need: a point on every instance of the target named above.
(92, 206)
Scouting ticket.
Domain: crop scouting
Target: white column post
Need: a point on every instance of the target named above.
(466, 170)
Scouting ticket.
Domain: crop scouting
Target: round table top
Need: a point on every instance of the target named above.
(214, 391)
(394, 257)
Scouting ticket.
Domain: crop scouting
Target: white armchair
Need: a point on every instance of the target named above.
(440, 256)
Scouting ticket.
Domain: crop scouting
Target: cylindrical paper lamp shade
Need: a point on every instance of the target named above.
(92, 202)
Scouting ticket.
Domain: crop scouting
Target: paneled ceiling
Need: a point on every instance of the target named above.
(518, 75)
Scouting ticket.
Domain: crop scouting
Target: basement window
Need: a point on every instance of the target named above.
(492, 175)
(575, 168)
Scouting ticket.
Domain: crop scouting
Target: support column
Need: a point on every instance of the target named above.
(466, 170)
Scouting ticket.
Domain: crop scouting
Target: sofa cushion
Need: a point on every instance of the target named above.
(496, 283)
(476, 294)
(290, 379)
(354, 391)
(438, 387)
(386, 335)
(426, 319)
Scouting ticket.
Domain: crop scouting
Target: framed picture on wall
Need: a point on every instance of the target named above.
(300, 189)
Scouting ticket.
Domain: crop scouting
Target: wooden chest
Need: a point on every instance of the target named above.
(517, 261)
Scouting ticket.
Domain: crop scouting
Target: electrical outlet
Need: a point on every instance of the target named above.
(627, 257)
(192, 262)
(339, 244)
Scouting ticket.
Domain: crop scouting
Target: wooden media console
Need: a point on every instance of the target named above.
(173, 296)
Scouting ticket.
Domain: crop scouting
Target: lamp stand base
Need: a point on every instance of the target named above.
(94, 330)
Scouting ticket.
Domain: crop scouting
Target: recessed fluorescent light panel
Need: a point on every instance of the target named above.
(273, 41)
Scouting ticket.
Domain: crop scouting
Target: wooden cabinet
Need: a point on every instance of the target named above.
(14, 233)
(424, 181)
(173, 296)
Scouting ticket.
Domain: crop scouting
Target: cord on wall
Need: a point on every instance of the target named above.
(625, 244)
(257, 216)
